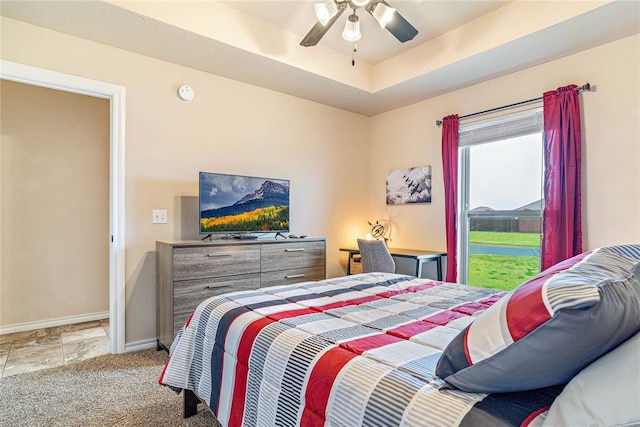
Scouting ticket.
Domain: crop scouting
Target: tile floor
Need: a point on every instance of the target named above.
(30, 351)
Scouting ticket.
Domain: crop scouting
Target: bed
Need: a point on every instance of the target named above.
(382, 349)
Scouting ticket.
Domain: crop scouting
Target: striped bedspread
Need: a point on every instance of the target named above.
(351, 351)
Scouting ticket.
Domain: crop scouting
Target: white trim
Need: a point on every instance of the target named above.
(141, 345)
(116, 94)
(60, 321)
(487, 131)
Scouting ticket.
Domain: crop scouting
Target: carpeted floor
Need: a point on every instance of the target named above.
(110, 390)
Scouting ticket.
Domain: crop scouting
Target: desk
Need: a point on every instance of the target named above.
(418, 255)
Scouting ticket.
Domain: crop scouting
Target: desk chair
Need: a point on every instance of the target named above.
(375, 256)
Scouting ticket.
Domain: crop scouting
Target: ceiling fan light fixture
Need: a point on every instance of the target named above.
(351, 31)
(360, 3)
(329, 11)
(325, 11)
(383, 14)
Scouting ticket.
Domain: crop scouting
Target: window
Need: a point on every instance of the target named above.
(501, 199)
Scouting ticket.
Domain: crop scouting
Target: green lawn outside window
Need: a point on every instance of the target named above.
(500, 271)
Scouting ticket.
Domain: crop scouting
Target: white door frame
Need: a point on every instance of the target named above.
(116, 95)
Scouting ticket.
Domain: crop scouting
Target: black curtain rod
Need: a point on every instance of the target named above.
(586, 87)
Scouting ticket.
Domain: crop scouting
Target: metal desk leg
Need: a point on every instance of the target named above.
(349, 263)
(439, 268)
(418, 268)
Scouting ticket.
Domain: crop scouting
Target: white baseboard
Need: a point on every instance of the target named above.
(140, 345)
(50, 323)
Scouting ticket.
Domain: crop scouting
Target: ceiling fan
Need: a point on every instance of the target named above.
(329, 11)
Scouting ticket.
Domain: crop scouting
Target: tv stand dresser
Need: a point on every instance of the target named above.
(187, 273)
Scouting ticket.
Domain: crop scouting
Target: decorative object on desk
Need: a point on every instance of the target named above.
(411, 185)
(378, 231)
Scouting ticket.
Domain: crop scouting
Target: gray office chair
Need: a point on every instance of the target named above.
(375, 257)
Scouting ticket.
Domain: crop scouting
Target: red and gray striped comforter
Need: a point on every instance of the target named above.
(351, 351)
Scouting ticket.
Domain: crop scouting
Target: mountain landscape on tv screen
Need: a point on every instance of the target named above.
(269, 194)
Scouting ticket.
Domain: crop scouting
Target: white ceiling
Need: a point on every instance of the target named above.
(460, 43)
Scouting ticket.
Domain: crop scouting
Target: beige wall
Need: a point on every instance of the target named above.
(611, 133)
(54, 178)
(229, 127)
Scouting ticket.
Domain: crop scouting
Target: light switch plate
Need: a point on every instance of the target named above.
(159, 216)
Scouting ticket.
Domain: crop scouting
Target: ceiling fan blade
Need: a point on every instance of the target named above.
(318, 31)
(399, 27)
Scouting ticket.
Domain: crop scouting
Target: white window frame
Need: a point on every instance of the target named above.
(523, 122)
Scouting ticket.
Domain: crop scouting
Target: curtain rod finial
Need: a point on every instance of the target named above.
(588, 87)
(438, 122)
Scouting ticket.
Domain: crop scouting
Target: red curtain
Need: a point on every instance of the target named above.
(450, 172)
(561, 218)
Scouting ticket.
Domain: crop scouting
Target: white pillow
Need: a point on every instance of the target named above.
(605, 393)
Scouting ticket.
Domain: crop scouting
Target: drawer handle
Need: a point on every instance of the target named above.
(295, 250)
(217, 255)
(294, 276)
(216, 287)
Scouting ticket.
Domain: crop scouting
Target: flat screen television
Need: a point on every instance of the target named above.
(235, 204)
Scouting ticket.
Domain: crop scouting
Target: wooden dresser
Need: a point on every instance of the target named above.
(187, 273)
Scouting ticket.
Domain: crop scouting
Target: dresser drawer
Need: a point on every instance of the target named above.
(289, 256)
(201, 262)
(288, 277)
(188, 294)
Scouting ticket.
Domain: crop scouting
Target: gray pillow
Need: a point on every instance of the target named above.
(547, 330)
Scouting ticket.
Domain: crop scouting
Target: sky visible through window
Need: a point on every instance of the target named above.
(507, 174)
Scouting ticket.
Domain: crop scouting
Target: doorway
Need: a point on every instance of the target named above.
(116, 96)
